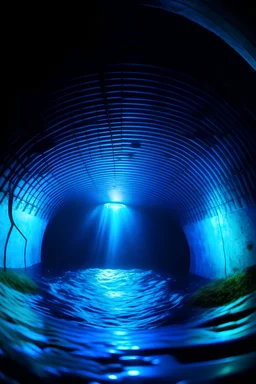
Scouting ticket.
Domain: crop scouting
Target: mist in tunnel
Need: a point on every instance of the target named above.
(114, 236)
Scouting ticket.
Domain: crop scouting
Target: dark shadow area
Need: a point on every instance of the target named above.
(143, 35)
(121, 96)
(151, 239)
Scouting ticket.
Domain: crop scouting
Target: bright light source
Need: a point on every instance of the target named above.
(114, 206)
(134, 347)
(133, 372)
(112, 377)
(115, 195)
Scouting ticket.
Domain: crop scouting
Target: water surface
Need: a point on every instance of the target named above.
(102, 326)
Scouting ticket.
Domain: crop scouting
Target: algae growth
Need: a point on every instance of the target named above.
(18, 281)
(225, 291)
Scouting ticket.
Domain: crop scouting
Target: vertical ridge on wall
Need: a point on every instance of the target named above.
(224, 244)
(32, 227)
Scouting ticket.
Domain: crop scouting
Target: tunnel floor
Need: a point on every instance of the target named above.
(104, 325)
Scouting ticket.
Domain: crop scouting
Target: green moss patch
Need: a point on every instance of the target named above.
(225, 291)
(18, 281)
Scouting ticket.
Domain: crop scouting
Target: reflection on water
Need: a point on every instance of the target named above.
(117, 325)
(103, 298)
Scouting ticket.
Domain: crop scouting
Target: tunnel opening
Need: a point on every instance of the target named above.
(127, 181)
(114, 236)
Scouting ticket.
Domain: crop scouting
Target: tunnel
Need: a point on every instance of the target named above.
(131, 139)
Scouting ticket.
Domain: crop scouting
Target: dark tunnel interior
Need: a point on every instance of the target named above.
(128, 166)
(126, 106)
(150, 238)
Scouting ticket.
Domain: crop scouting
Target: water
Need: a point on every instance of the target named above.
(108, 325)
(107, 298)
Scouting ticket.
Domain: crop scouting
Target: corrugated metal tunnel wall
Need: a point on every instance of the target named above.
(151, 136)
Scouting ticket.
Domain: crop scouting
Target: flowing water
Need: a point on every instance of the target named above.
(103, 325)
(123, 299)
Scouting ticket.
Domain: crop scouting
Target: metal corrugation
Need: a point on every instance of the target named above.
(151, 134)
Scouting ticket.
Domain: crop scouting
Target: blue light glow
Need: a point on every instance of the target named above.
(115, 196)
(135, 347)
(106, 276)
(115, 224)
(120, 333)
(112, 377)
(114, 206)
(133, 372)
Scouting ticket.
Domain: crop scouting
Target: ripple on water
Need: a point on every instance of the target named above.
(103, 298)
(107, 325)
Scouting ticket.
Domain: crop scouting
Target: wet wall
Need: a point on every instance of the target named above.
(32, 228)
(223, 244)
(81, 237)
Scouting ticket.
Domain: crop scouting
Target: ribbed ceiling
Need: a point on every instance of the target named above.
(145, 134)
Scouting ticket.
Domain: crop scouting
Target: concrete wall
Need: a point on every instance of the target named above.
(223, 244)
(32, 227)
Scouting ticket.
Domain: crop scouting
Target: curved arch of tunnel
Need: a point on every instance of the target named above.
(161, 132)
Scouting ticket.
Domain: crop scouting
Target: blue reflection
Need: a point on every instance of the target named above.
(118, 299)
(120, 333)
(33, 330)
(133, 372)
(112, 377)
(135, 347)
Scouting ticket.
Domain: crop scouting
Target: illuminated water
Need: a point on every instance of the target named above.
(104, 298)
(120, 326)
